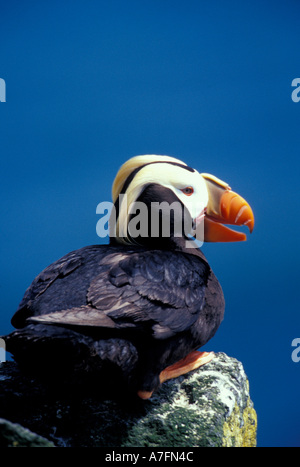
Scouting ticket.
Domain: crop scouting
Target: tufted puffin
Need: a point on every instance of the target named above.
(135, 311)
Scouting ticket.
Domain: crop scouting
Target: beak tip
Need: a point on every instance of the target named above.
(250, 223)
(226, 207)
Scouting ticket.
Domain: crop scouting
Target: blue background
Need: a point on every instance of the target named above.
(93, 83)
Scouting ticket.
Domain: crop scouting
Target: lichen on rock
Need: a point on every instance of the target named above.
(239, 429)
(208, 407)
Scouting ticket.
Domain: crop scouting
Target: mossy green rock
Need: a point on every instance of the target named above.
(14, 435)
(209, 407)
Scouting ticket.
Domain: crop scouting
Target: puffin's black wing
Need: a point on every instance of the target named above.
(44, 286)
(117, 287)
(163, 288)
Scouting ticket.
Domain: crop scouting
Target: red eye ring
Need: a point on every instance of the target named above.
(188, 191)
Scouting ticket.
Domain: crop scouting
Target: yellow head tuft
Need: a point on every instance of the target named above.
(135, 162)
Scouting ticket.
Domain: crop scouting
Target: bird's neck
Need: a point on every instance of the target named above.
(181, 244)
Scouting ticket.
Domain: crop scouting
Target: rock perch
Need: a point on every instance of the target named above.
(208, 407)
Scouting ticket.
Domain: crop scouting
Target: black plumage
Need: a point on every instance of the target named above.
(120, 314)
(132, 309)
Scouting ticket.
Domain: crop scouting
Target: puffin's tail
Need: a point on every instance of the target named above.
(62, 355)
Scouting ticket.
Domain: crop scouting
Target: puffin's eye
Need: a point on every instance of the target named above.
(188, 191)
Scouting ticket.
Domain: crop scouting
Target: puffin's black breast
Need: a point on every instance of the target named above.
(154, 305)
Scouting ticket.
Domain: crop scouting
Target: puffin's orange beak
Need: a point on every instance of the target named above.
(225, 207)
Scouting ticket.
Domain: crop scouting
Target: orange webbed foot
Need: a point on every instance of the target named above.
(189, 363)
